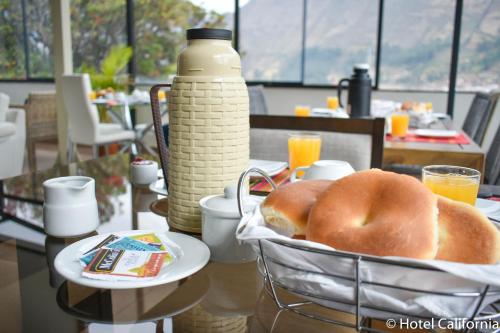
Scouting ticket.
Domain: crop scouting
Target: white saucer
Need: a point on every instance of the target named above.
(432, 133)
(158, 187)
(195, 256)
(272, 168)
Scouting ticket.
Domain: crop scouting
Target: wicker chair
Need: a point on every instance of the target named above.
(41, 122)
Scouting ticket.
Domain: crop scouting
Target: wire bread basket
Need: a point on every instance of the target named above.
(354, 288)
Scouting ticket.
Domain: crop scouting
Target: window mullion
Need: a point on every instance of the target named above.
(454, 57)
(303, 55)
(379, 42)
(25, 42)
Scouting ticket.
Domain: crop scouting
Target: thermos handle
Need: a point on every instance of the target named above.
(339, 90)
(160, 138)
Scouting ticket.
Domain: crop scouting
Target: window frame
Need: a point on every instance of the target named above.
(295, 84)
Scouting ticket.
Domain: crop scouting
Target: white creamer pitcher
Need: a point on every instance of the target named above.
(70, 206)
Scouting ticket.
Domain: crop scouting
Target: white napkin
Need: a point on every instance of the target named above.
(459, 277)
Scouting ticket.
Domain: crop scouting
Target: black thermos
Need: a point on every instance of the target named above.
(359, 92)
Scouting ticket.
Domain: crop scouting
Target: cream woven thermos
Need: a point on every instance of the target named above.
(208, 125)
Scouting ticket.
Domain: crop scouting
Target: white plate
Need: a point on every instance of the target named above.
(272, 168)
(158, 187)
(437, 115)
(432, 133)
(323, 112)
(489, 208)
(195, 256)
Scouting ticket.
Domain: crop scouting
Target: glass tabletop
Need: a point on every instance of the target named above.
(35, 298)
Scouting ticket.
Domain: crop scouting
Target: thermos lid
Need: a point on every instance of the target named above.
(206, 33)
(363, 67)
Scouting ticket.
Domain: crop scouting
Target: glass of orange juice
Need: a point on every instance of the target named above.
(93, 95)
(332, 102)
(302, 111)
(453, 182)
(400, 121)
(161, 95)
(303, 149)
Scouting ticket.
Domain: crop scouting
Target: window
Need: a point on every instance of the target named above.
(96, 26)
(11, 40)
(39, 30)
(479, 60)
(281, 42)
(160, 31)
(270, 40)
(416, 44)
(339, 34)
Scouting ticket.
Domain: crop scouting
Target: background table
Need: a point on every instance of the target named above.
(428, 153)
(127, 119)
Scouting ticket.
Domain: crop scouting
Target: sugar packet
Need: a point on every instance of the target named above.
(115, 264)
(147, 242)
(119, 243)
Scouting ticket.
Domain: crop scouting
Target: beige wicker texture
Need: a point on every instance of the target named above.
(198, 320)
(209, 143)
(41, 122)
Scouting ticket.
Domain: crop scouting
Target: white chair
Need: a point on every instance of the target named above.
(84, 125)
(12, 139)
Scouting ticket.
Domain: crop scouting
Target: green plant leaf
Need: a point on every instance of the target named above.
(116, 60)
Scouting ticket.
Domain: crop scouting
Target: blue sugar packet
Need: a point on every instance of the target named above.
(124, 243)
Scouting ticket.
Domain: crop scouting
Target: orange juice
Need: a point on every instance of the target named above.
(399, 124)
(302, 111)
(303, 150)
(92, 95)
(332, 102)
(161, 95)
(454, 182)
(454, 187)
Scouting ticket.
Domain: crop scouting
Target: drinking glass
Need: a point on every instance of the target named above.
(302, 111)
(161, 95)
(93, 95)
(453, 182)
(303, 149)
(332, 102)
(399, 124)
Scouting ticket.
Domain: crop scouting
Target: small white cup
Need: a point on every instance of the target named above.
(324, 169)
(143, 172)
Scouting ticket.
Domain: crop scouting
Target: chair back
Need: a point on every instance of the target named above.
(357, 141)
(257, 100)
(479, 115)
(41, 115)
(492, 168)
(82, 114)
(4, 106)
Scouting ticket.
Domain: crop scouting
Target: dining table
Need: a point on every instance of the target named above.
(419, 151)
(121, 107)
(221, 297)
(35, 298)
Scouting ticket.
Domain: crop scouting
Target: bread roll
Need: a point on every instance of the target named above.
(379, 213)
(287, 207)
(465, 234)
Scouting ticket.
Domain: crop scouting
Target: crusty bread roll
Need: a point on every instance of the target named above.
(287, 207)
(379, 213)
(465, 234)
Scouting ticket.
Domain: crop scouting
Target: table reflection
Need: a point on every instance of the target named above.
(218, 298)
